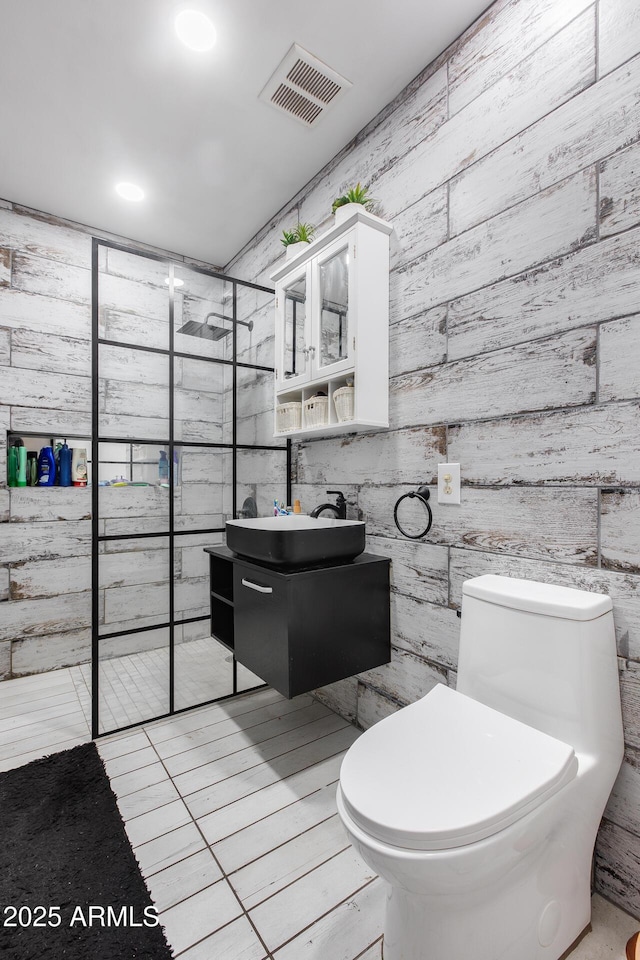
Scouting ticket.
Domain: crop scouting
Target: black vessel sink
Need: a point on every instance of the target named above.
(295, 541)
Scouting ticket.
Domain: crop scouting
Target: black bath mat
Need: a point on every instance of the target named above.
(70, 886)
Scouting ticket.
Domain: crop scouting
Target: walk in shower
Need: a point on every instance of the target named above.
(182, 439)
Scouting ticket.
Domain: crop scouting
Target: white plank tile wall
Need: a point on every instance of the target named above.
(508, 169)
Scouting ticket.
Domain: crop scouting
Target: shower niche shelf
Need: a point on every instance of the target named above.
(332, 327)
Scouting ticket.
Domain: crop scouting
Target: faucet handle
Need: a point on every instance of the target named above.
(341, 504)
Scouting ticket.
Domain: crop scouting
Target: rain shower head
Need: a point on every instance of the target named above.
(207, 331)
(192, 328)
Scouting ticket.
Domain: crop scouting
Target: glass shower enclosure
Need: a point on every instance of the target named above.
(182, 439)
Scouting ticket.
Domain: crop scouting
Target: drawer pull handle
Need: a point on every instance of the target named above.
(256, 586)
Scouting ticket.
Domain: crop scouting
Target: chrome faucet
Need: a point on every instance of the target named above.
(339, 508)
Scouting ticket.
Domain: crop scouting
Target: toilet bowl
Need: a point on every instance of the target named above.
(479, 806)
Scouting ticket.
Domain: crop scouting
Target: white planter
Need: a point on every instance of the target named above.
(346, 210)
(293, 249)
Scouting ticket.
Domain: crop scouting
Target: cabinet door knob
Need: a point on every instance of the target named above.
(256, 586)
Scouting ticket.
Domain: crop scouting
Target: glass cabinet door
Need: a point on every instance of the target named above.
(333, 305)
(294, 340)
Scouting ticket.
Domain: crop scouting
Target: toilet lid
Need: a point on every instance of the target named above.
(447, 771)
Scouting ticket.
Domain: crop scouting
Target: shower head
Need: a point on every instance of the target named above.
(209, 331)
(192, 328)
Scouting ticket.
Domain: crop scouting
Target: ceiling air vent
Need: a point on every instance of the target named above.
(303, 86)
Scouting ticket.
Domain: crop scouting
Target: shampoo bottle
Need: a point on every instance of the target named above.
(12, 466)
(56, 457)
(22, 466)
(79, 466)
(65, 465)
(46, 467)
(32, 468)
(163, 467)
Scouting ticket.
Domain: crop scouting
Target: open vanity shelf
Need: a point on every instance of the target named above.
(221, 592)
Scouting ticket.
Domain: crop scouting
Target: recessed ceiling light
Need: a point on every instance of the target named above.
(177, 282)
(130, 191)
(195, 30)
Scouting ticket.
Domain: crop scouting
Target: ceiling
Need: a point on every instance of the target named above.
(99, 91)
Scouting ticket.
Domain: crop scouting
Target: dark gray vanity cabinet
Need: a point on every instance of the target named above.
(305, 628)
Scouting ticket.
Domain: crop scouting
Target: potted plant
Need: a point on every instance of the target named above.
(293, 239)
(344, 205)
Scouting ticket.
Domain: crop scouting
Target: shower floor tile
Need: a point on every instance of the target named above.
(231, 812)
(134, 688)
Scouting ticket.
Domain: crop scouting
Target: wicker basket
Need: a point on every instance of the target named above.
(316, 411)
(343, 402)
(288, 416)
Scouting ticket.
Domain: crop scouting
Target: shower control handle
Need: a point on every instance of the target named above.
(256, 586)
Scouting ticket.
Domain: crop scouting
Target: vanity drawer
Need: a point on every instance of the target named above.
(261, 623)
(303, 629)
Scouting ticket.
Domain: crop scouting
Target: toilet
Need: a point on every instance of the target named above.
(479, 806)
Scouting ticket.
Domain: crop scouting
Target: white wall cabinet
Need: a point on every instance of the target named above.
(332, 328)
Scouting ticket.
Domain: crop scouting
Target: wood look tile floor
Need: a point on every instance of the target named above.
(230, 809)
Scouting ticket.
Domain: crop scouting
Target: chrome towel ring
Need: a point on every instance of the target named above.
(423, 495)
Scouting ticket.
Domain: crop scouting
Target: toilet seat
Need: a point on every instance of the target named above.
(448, 771)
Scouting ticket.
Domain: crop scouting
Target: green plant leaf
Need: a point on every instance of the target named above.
(305, 232)
(302, 232)
(357, 194)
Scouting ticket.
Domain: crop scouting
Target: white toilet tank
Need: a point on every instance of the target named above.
(545, 655)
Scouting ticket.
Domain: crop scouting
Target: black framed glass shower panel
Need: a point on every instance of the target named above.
(150, 394)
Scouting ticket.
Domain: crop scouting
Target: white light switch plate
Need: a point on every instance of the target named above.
(448, 483)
